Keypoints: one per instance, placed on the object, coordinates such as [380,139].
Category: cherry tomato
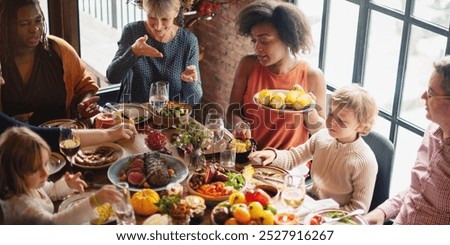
[314,221]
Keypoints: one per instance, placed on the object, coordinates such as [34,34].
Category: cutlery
[115,109]
[268,178]
[332,220]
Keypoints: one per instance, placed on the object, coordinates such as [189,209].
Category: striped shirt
[427,201]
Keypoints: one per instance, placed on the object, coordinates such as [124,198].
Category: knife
[267,178]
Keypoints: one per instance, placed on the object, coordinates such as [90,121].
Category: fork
[326,219]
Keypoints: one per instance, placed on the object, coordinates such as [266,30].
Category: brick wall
[224,48]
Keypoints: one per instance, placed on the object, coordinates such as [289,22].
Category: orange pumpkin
[144,202]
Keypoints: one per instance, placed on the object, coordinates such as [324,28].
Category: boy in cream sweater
[344,167]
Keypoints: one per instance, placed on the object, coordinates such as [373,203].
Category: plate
[118,151]
[269,172]
[55,163]
[137,112]
[70,201]
[181,171]
[286,110]
[357,219]
[65,123]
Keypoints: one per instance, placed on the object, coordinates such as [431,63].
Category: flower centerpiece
[193,138]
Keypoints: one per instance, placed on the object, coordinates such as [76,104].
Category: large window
[388,46]
[101,24]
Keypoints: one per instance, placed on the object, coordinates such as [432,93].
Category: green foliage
[192,136]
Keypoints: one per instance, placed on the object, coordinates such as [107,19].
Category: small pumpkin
[144,202]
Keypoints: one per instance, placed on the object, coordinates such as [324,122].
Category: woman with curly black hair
[280,32]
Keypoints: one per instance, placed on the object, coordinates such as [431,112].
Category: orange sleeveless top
[269,128]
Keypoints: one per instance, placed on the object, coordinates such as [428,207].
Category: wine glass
[159,95]
[214,122]
[242,131]
[294,191]
[123,209]
[69,144]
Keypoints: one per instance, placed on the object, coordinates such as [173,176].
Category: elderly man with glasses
[427,199]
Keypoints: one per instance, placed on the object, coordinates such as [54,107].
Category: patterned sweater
[137,73]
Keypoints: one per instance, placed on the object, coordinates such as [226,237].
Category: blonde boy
[344,167]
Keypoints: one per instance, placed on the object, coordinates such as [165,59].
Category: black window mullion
[323,34]
[402,63]
[361,41]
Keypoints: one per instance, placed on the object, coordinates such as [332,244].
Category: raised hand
[141,48]
[88,108]
[25,117]
[190,74]
[74,181]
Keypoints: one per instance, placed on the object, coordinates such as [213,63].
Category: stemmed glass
[294,191]
[69,144]
[123,209]
[242,130]
[159,95]
[214,122]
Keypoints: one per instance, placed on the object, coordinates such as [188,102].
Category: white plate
[72,200]
[118,151]
[357,219]
[287,110]
[181,171]
[55,163]
[64,123]
[134,111]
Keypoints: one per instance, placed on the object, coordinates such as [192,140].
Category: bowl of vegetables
[173,114]
[215,183]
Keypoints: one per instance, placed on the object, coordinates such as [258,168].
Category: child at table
[344,167]
[26,195]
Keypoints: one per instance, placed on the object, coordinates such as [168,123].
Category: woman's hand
[121,131]
[74,181]
[23,117]
[141,48]
[266,155]
[88,108]
[190,74]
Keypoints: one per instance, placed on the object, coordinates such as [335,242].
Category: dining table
[95,178]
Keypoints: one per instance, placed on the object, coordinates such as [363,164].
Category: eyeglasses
[430,94]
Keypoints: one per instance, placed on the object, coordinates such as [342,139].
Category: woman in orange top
[279,32]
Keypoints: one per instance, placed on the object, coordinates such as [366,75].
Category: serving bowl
[210,199]
[242,157]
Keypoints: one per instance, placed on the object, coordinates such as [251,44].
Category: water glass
[123,209]
[228,156]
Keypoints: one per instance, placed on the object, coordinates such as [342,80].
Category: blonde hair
[161,8]
[20,156]
[358,100]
